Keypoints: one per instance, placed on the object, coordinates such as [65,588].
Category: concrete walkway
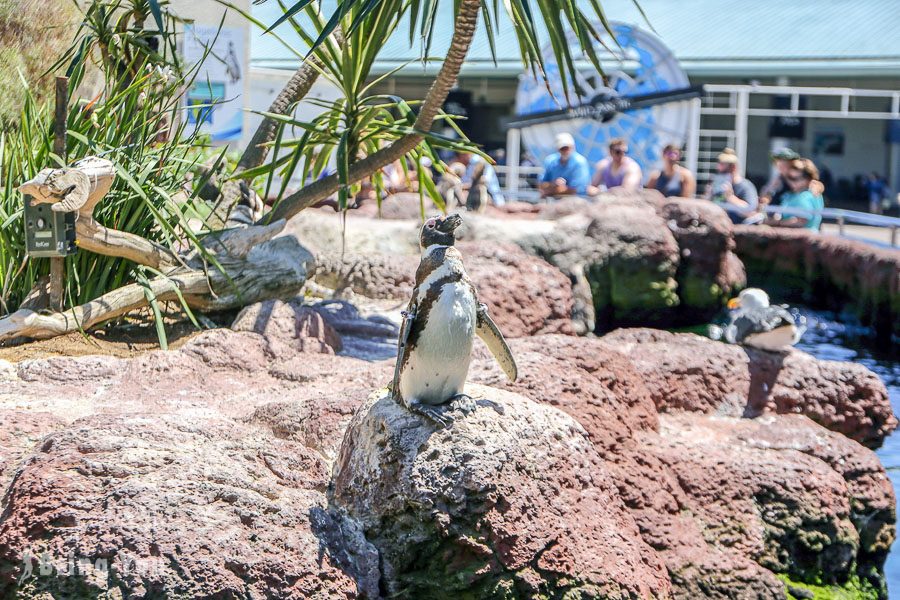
[880,235]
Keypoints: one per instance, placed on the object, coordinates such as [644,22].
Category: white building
[823,43]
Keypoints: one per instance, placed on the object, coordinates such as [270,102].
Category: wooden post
[58,264]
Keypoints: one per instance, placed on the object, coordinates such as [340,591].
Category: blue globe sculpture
[636,63]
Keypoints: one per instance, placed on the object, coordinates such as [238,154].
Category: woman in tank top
[673,180]
[619,170]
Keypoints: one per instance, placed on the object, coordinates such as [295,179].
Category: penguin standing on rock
[755,322]
[439,328]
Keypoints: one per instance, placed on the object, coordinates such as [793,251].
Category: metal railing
[843,217]
[525,190]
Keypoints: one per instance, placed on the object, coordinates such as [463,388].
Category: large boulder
[510,501]
[632,276]
[777,491]
[525,295]
[708,272]
[379,276]
[582,377]
[164,506]
[618,252]
[709,491]
[688,372]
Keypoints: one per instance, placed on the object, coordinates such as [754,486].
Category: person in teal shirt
[801,174]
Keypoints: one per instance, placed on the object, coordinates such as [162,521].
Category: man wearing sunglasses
[619,170]
[566,172]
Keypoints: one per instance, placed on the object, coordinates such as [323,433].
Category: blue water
[830,337]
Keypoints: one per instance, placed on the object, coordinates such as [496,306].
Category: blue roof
[709,37]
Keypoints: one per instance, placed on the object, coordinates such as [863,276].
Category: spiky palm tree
[369,23]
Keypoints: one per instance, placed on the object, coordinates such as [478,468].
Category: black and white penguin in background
[439,328]
[754,322]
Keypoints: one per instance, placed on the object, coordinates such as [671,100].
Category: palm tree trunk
[295,89]
[464,31]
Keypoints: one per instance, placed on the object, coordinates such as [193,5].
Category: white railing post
[513,150]
[692,146]
[740,129]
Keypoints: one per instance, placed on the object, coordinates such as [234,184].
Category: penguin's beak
[734,303]
[449,223]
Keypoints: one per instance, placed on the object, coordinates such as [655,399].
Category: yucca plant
[357,124]
[137,123]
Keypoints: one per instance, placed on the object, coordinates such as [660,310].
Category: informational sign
[787,127]
[828,141]
[215,100]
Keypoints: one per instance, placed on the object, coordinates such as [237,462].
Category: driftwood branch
[236,266]
[94,237]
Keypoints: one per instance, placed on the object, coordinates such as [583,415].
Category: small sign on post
[49,233]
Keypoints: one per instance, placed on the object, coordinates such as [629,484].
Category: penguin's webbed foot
[443,414]
[438,414]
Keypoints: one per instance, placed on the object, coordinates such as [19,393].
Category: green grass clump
[854,588]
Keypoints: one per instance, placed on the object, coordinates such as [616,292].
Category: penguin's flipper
[493,339]
[409,315]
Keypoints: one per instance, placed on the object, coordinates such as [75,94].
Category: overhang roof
[713,38]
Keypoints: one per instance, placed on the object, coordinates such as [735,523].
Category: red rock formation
[151,505]
[709,272]
[692,373]
[727,502]
[211,463]
[525,295]
[512,501]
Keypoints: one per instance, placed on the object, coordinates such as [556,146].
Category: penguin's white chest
[775,340]
[439,363]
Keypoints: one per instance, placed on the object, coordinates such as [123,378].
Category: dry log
[236,266]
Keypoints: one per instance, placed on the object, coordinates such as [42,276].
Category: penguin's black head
[439,230]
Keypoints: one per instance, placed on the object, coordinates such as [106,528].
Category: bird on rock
[754,322]
[439,328]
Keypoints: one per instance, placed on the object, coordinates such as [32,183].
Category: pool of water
[830,337]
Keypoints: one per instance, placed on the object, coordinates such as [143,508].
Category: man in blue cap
[565,171]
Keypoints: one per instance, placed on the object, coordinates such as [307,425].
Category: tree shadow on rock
[764,369]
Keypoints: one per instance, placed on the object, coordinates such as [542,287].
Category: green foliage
[560,18]
[138,123]
[854,588]
[359,123]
